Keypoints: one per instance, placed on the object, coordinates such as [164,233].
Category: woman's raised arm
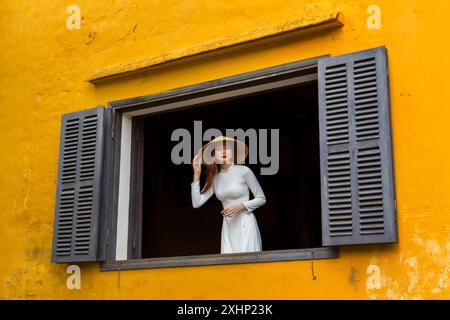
[199,199]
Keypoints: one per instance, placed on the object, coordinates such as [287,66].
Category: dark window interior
[291,217]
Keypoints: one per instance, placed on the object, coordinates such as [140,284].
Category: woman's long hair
[213,169]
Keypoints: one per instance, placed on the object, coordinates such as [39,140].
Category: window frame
[132,110]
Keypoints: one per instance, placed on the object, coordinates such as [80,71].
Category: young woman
[230,182]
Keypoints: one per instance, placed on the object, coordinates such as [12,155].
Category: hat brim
[240,150]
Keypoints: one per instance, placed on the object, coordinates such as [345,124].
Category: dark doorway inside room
[291,217]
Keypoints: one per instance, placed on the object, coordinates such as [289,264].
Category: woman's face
[223,153]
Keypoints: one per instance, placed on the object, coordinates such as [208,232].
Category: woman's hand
[233,210]
[197,166]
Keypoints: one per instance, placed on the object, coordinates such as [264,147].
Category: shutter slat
[358,194]
[78,187]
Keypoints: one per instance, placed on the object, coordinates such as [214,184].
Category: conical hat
[240,149]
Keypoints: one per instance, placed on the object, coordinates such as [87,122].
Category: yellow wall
[43,68]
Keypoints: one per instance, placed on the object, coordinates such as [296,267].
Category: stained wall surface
[44,66]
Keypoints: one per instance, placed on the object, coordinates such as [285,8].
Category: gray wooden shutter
[77,209]
[358,192]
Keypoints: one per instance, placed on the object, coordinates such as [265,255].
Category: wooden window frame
[264,80]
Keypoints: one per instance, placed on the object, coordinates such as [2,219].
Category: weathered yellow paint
[305,24]
[43,70]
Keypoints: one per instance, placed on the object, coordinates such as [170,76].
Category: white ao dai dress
[240,233]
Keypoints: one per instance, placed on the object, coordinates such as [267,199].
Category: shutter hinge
[134,240]
[112,134]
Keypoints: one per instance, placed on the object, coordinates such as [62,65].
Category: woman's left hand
[233,210]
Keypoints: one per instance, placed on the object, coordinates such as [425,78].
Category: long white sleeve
[199,199]
[253,184]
